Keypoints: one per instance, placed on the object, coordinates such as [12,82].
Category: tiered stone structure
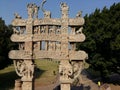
[48,38]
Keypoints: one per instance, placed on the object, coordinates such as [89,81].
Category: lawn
[45,74]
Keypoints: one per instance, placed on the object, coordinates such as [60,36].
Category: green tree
[5,44]
[102,30]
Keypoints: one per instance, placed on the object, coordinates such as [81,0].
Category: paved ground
[87,85]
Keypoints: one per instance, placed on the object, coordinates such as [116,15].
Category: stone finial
[64,9]
[36,9]
[32,10]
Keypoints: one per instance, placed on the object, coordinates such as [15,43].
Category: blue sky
[9,7]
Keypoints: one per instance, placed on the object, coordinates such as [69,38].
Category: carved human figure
[36,29]
[72,30]
[21,46]
[22,30]
[42,29]
[58,46]
[73,46]
[50,46]
[35,46]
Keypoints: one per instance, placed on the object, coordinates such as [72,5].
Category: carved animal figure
[15,31]
[79,31]
[17,16]
[79,14]
[47,14]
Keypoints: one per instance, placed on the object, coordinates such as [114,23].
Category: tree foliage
[5,44]
[102,30]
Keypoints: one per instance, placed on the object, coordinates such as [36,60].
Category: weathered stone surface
[21,38]
[19,22]
[76,38]
[76,21]
[72,55]
[20,54]
[48,37]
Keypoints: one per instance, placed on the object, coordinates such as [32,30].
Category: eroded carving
[66,71]
[25,69]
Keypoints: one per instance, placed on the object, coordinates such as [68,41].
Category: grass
[7,78]
[45,73]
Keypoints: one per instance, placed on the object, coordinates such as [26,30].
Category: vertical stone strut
[65,80]
[47,38]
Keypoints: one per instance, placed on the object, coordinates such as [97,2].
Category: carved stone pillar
[65,86]
[27,85]
[66,72]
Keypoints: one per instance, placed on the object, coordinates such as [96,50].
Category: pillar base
[27,85]
[18,84]
[65,86]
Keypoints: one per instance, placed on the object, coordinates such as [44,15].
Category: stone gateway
[59,36]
